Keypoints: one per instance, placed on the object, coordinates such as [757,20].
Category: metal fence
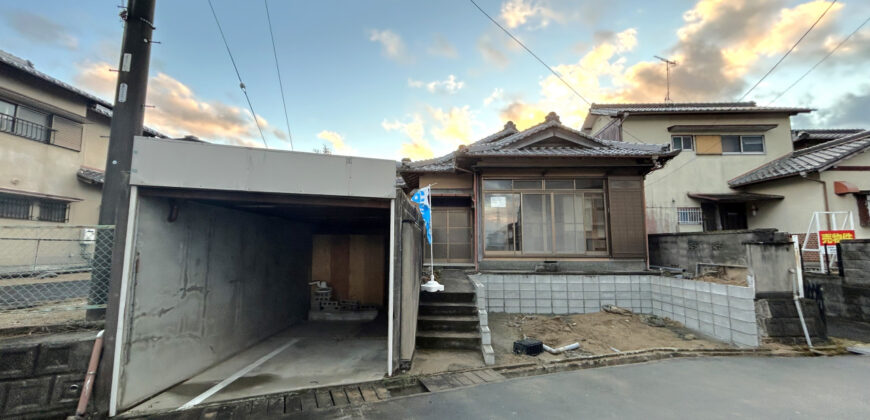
[52,274]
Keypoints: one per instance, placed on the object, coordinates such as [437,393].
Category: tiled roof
[812,159]
[504,144]
[689,108]
[822,134]
[27,67]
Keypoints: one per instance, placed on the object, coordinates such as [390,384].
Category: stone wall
[686,250]
[41,377]
[722,311]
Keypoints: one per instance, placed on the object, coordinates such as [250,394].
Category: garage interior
[276,272]
[223,283]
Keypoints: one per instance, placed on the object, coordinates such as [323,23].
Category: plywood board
[708,145]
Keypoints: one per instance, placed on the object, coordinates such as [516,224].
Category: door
[733,216]
[452,235]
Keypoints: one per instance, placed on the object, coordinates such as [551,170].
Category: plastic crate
[528,346]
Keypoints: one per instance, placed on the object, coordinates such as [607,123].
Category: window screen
[13,207]
[730,144]
[752,144]
[53,211]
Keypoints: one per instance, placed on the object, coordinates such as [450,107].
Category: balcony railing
[24,128]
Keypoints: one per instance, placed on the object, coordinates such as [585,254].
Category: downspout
[474,223]
[824,193]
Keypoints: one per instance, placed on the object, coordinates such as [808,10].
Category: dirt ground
[433,361]
[597,333]
[735,276]
[55,313]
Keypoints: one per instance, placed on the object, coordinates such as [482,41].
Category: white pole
[122,302]
[798,267]
[391,280]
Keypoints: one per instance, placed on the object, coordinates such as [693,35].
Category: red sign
[833,237]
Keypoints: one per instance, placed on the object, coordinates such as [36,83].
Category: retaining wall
[847,296]
[686,250]
[41,377]
[721,311]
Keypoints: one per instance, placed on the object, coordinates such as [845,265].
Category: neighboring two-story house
[53,144]
[719,142]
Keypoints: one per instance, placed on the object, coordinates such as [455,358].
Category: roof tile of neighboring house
[689,108]
[100,106]
[812,159]
[505,142]
[822,134]
[91,175]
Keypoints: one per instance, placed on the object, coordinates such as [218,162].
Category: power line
[239,76]
[788,52]
[532,53]
[278,69]
[820,61]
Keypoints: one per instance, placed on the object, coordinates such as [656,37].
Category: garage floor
[306,355]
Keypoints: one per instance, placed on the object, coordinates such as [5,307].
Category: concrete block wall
[41,377]
[721,311]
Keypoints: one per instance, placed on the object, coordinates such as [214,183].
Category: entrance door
[451,235]
[733,216]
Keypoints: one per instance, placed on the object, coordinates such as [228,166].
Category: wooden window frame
[543,191]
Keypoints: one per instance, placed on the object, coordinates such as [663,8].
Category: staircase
[448,320]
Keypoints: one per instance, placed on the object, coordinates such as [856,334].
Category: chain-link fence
[52,275]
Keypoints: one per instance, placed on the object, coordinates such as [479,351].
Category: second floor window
[683,142]
[40,126]
[742,144]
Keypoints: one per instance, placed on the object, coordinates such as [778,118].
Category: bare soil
[597,333]
[54,313]
[734,276]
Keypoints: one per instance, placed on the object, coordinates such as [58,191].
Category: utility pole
[668,64]
[128,117]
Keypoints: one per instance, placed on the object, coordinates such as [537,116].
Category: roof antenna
[668,64]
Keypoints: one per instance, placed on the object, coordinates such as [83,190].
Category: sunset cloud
[515,13]
[336,142]
[448,86]
[454,126]
[392,45]
[417,147]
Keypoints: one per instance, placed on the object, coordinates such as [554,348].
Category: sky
[394,79]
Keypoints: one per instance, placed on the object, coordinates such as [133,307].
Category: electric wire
[238,75]
[278,70]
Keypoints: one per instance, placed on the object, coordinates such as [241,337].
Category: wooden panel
[352,264]
[627,231]
[708,145]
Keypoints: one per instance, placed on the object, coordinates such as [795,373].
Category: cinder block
[692,324]
[702,286]
[526,279]
[707,328]
[493,278]
[511,302]
[496,294]
[657,305]
[667,307]
[576,287]
[495,286]
[497,305]
[645,288]
[559,287]
[741,292]
[744,327]
[679,311]
[592,304]
[719,299]
[623,303]
[676,283]
[691,313]
[624,295]
[718,289]
[575,306]
[17,361]
[741,339]
[657,312]
[678,301]
[560,309]
[592,295]
[722,321]
[679,318]
[623,287]
[605,279]
[722,333]
[635,287]
[636,305]
[607,287]
[690,285]
[544,303]
[655,288]
[542,279]
[560,279]
[559,295]
[742,315]
[622,279]
[705,307]
[720,310]
[574,279]
[645,295]
[690,295]
[511,286]
[741,303]
[511,294]
[527,294]
[575,295]
[543,294]
[527,286]
[705,317]
[512,309]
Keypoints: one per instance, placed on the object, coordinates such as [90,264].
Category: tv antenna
[668,64]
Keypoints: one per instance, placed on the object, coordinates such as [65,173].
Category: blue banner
[422,200]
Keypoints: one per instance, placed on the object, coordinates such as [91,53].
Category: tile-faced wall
[722,311]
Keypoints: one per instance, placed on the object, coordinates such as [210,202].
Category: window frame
[740,138]
[62,212]
[682,138]
[521,253]
[15,121]
[692,213]
[15,197]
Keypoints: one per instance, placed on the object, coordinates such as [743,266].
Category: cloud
[491,52]
[443,48]
[515,13]
[417,147]
[496,95]
[448,86]
[392,45]
[849,111]
[39,29]
[454,126]
[178,111]
[337,141]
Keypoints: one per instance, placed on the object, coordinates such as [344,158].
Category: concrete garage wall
[722,311]
[210,284]
[686,250]
[41,377]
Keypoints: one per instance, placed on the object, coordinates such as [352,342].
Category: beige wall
[35,167]
[40,94]
[803,197]
[447,181]
[667,188]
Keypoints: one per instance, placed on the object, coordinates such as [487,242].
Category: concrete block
[679,311]
[635,287]
[511,294]
[705,317]
[27,395]
[703,296]
[527,294]
[665,281]
[679,318]
[575,306]
[623,303]
[493,278]
[622,279]
[741,292]
[496,294]
[667,307]
[742,315]
[605,279]
[636,305]
[608,298]
[17,361]
[544,309]
[559,287]
[624,295]
[512,309]
[718,289]
[560,279]
[574,279]
[607,287]
[575,295]
[576,287]
[720,299]
[528,309]
[543,279]
[511,286]
[722,321]
[645,287]
[707,328]
[691,313]
[678,301]
[541,286]
[657,305]
[741,339]
[592,305]
[690,295]
[527,286]
[526,278]
[705,307]
[744,327]
[676,283]
[496,306]
[623,287]
[591,295]
[560,309]
[721,310]
[559,295]
[692,324]
[657,312]
[495,286]
[645,295]
[511,303]
[722,333]
[702,286]
[690,285]
[741,303]
[656,288]
[543,294]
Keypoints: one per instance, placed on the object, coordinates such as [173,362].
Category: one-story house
[519,198]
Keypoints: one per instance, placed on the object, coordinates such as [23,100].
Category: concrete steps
[448,320]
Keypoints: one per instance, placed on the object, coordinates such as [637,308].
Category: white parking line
[244,371]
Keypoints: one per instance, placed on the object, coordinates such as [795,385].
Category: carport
[223,245]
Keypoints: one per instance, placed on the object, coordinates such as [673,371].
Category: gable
[556,137]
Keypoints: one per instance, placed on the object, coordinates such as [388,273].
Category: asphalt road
[708,388]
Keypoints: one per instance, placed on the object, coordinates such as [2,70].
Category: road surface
[703,388]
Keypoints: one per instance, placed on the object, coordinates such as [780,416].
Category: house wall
[667,188]
[447,181]
[803,197]
[208,285]
[31,166]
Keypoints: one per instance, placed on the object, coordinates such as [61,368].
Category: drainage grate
[460,379]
